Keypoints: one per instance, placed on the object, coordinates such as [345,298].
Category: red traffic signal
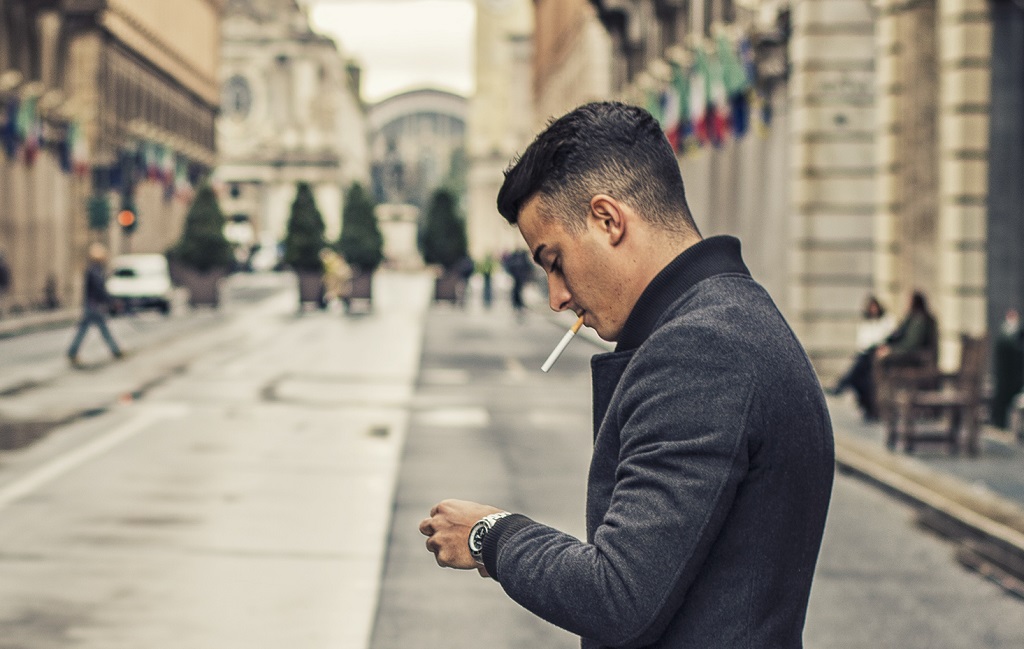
[126,219]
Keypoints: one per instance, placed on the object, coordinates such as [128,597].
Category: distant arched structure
[417,143]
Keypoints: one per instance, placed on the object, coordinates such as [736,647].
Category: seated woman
[872,331]
[914,343]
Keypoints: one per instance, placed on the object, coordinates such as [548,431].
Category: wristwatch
[479,532]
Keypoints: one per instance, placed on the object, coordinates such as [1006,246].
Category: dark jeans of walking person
[91,317]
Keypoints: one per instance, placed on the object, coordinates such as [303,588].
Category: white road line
[61,465]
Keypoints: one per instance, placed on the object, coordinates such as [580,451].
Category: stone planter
[311,287]
[449,287]
[203,288]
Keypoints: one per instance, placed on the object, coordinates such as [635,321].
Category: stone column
[965,45]
[833,131]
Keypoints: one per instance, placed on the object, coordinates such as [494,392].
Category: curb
[34,321]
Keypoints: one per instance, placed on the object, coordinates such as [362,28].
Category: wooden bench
[891,379]
[947,408]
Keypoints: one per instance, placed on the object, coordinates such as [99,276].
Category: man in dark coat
[96,301]
[713,458]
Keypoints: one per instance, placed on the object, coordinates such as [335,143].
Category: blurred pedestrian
[519,267]
[463,270]
[96,303]
[337,279]
[5,283]
[712,461]
[916,340]
[875,326]
[913,344]
[486,270]
[1008,366]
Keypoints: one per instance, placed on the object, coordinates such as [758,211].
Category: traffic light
[127,217]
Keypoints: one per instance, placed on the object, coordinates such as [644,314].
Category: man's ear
[609,216]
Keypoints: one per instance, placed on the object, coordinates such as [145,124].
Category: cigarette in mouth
[561,346]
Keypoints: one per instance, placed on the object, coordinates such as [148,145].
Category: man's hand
[447,532]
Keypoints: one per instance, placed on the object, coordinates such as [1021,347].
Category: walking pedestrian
[5,283]
[712,460]
[1007,367]
[486,270]
[518,266]
[96,302]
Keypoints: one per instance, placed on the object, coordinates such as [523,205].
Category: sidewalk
[14,325]
[977,501]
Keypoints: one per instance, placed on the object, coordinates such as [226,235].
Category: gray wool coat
[709,483]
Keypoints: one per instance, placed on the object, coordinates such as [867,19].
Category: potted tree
[361,242]
[304,239]
[444,244]
[203,255]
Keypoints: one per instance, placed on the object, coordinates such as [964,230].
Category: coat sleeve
[681,457]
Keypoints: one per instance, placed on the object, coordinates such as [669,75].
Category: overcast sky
[402,44]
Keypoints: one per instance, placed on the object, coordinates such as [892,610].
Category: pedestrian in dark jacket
[96,301]
[713,459]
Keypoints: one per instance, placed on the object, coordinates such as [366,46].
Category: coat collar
[707,258]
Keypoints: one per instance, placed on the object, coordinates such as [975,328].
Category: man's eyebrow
[536,254]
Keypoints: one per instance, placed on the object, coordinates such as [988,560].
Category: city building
[501,122]
[417,145]
[870,170]
[290,112]
[106,105]
[571,58]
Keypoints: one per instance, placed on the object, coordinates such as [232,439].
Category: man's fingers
[426,527]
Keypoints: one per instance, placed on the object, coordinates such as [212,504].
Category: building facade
[571,58]
[873,173]
[501,122]
[101,105]
[290,112]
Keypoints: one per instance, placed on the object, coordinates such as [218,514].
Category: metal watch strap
[479,531]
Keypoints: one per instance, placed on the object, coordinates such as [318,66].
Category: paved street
[265,492]
[243,502]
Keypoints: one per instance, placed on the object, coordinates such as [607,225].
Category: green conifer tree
[304,238]
[361,242]
[444,232]
[203,245]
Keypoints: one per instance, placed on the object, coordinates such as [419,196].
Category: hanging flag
[28,129]
[737,82]
[654,104]
[675,108]
[167,165]
[34,141]
[718,110]
[699,99]
[182,186]
[152,160]
[167,169]
[9,133]
[79,150]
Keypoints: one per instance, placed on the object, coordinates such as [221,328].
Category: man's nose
[558,295]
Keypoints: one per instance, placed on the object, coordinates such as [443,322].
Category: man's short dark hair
[599,148]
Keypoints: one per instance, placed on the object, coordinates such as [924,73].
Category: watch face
[476,538]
